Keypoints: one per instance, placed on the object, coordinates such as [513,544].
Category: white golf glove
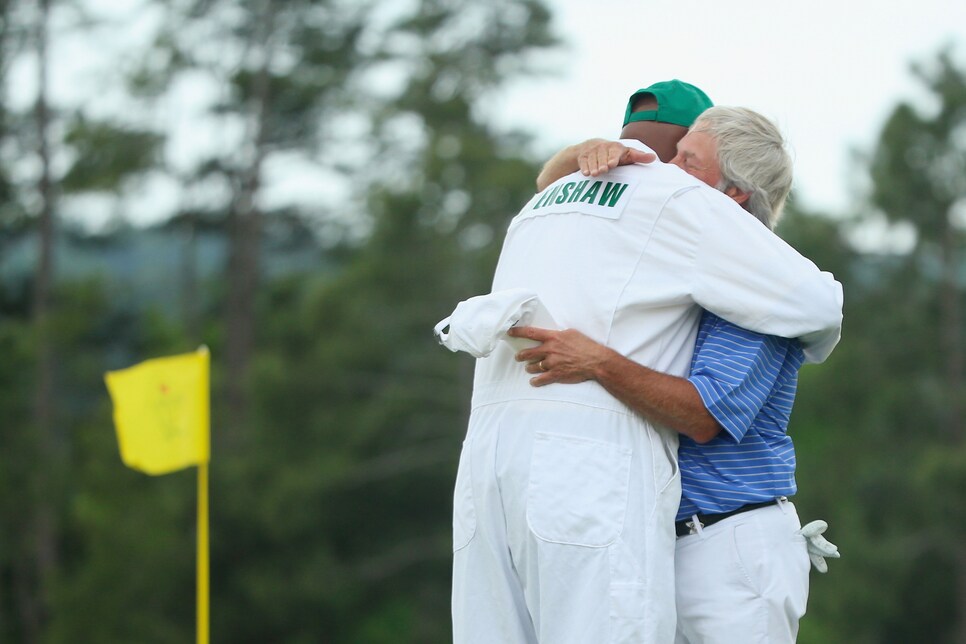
[818,546]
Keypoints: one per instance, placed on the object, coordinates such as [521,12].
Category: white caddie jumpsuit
[563,527]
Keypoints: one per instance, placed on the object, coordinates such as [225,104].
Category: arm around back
[570,357]
[593,157]
[751,277]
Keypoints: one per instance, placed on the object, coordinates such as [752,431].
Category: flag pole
[203,552]
[203,549]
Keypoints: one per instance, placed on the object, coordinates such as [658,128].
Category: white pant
[563,527]
[743,579]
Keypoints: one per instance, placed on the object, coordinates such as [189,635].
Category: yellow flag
[161,412]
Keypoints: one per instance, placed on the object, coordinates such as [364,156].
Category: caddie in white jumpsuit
[565,499]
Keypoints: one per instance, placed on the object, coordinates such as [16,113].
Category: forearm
[570,357]
[668,400]
[593,158]
[559,165]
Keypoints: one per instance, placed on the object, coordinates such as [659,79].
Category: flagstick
[203,553]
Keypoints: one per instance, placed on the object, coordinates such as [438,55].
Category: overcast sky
[828,72]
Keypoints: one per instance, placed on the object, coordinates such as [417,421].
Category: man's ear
[740,196]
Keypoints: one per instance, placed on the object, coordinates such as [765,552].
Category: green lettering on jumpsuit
[592,193]
[611,193]
[571,192]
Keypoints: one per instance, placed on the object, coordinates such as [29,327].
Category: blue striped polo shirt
[747,382]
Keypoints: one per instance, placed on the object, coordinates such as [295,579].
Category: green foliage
[879,437]
[331,514]
[15,473]
[107,155]
[919,166]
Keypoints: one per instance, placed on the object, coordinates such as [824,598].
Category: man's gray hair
[752,158]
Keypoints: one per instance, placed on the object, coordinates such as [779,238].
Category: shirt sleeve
[735,371]
[749,276]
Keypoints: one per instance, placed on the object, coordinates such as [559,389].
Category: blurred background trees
[337,421]
[880,427]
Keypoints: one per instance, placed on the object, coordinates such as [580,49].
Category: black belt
[685,526]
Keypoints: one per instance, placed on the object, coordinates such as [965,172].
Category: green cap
[678,103]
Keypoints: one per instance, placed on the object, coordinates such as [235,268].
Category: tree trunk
[245,232]
[189,280]
[43,524]
[45,255]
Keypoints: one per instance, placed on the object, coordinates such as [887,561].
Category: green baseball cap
[678,103]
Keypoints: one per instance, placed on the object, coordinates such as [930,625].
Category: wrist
[607,365]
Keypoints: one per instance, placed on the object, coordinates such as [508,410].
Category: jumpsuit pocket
[578,490]
[464,509]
